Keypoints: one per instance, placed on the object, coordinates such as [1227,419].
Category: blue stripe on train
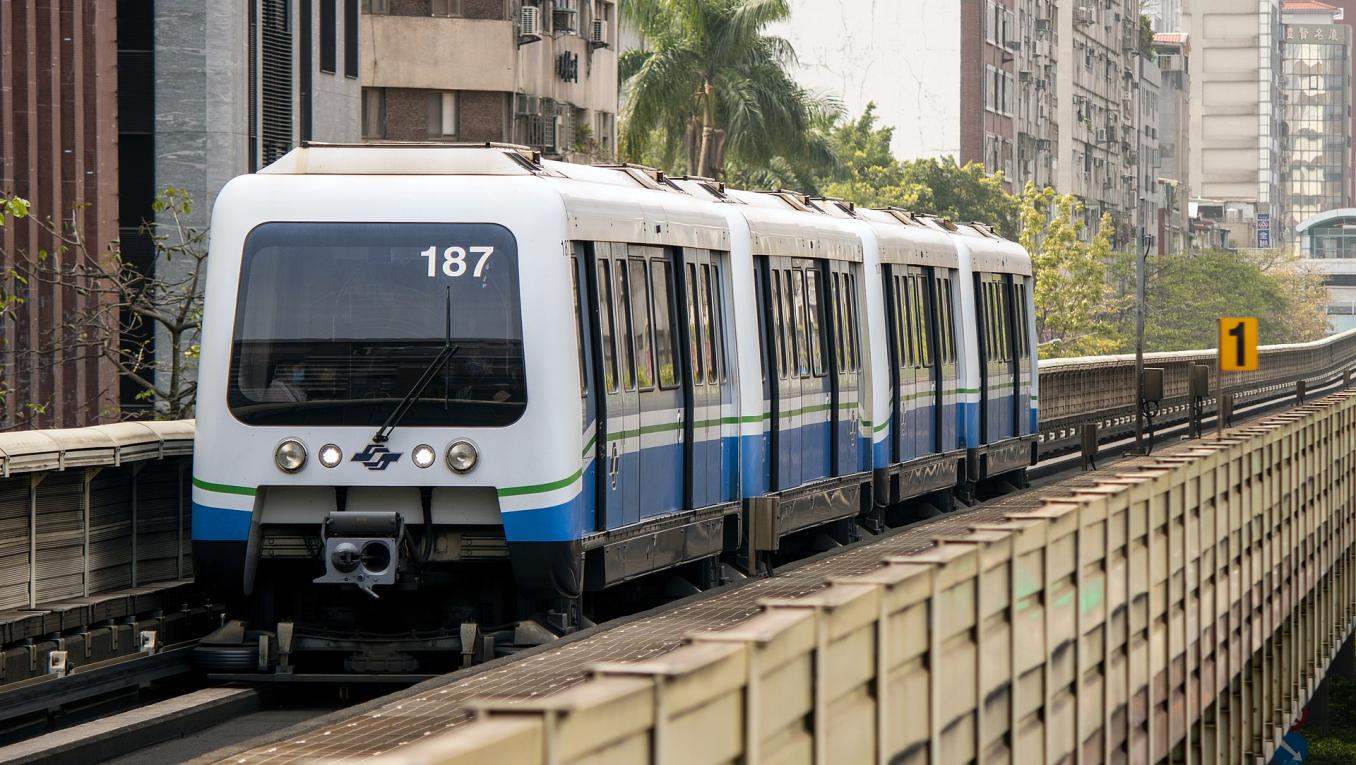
[220,524]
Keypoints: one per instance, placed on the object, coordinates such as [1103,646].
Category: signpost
[1237,353]
[1263,231]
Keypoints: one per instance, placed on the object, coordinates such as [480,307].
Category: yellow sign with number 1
[1237,344]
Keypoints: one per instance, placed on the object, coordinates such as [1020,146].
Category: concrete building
[58,149]
[1173,56]
[1328,241]
[1147,162]
[1316,135]
[543,73]
[1236,114]
[975,83]
[1098,82]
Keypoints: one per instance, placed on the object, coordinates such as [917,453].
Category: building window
[275,81]
[374,113]
[377,7]
[328,36]
[446,8]
[351,38]
[442,115]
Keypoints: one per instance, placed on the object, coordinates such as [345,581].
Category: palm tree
[710,79]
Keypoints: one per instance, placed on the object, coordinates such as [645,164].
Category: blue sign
[1263,230]
[1292,751]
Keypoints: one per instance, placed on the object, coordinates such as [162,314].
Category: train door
[786,414]
[619,471]
[767,356]
[996,369]
[660,398]
[704,369]
[948,422]
[1022,352]
[817,416]
[846,445]
[585,336]
[902,363]
[924,327]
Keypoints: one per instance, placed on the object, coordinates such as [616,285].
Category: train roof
[645,206]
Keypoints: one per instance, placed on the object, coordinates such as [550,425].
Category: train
[449,387]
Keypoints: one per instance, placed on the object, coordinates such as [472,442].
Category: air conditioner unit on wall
[599,35]
[529,21]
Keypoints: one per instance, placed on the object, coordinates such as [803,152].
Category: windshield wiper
[444,354]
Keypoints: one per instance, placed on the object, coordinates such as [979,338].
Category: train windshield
[335,323]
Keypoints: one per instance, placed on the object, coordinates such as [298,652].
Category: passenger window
[920,290]
[665,340]
[902,349]
[855,346]
[578,328]
[640,323]
[1023,350]
[812,307]
[759,292]
[715,327]
[694,331]
[778,322]
[708,345]
[798,299]
[789,324]
[625,350]
[836,305]
[605,325]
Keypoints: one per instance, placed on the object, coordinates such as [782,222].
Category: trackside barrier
[1101,389]
[1183,611]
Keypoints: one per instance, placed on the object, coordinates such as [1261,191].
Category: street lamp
[1139,345]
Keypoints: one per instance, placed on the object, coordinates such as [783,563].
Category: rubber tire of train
[226,658]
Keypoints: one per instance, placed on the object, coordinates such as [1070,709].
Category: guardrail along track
[1177,608]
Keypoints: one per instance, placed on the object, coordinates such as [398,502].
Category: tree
[871,176]
[712,82]
[1073,301]
[1187,293]
[127,303]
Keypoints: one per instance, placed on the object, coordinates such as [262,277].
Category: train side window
[759,290]
[1023,350]
[948,322]
[802,331]
[665,340]
[716,329]
[909,304]
[925,329]
[789,324]
[708,324]
[640,324]
[778,320]
[902,348]
[694,331]
[813,301]
[578,328]
[605,325]
[626,350]
[1004,321]
[837,307]
[855,346]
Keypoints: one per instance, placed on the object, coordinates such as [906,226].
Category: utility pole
[1139,345]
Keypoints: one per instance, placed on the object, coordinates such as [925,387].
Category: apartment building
[541,73]
[1172,55]
[1237,116]
[1098,81]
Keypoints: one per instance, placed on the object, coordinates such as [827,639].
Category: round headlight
[330,455]
[290,455]
[423,455]
[462,456]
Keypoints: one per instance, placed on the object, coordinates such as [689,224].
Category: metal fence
[90,510]
[1182,612]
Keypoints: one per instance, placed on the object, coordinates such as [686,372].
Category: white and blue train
[465,368]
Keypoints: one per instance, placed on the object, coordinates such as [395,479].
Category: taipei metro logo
[376,457]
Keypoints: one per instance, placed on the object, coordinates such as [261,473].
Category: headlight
[290,455]
[423,455]
[462,456]
[330,455]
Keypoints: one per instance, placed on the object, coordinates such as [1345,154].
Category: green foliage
[1186,294]
[1335,742]
[871,176]
[1146,37]
[1074,305]
[712,85]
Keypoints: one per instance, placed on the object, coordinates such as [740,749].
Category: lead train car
[587,373]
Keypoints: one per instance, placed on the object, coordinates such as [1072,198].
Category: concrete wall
[903,56]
